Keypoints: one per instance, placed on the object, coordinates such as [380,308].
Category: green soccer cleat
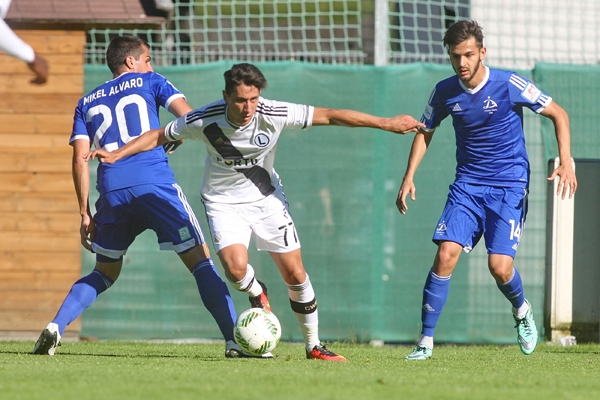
[526,331]
[421,352]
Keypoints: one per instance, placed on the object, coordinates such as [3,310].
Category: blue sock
[435,294]
[215,296]
[82,295]
[513,290]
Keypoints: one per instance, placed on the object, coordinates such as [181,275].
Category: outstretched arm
[144,142]
[399,124]
[567,179]
[16,47]
[417,151]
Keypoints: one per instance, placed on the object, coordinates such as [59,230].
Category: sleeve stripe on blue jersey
[544,99]
[190,211]
[518,81]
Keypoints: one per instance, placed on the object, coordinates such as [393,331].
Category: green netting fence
[366,261]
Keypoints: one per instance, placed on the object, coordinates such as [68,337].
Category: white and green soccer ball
[257,331]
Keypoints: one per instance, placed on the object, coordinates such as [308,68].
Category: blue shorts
[496,213]
[121,215]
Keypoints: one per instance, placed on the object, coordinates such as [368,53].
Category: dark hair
[120,48]
[461,31]
[244,73]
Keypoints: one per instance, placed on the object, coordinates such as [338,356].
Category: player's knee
[234,259]
[501,274]
[446,260]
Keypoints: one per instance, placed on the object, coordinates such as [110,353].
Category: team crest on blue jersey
[441,228]
[490,106]
[261,140]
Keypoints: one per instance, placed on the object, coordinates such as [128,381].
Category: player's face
[143,64]
[241,104]
[466,59]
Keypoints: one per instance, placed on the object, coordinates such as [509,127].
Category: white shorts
[267,221]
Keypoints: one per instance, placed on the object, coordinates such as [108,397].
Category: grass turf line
[139,370]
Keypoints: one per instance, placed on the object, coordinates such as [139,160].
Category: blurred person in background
[12,45]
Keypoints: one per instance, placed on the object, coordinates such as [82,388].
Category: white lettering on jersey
[107,120]
[93,96]
[531,92]
[124,85]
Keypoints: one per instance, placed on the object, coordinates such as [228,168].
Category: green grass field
[141,370]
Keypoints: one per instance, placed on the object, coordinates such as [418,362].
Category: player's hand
[87,231]
[407,187]
[39,66]
[403,124]
[104,156]
[567,180]
[170,147]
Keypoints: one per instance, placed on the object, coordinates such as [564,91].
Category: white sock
[520,312]
[427,341]
[304,294]
[248,284]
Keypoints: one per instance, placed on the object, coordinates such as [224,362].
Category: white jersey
[239,164]
[10,43]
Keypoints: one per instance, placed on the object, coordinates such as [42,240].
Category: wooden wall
[40,252]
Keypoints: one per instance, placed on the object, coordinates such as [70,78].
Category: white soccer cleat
[48,341]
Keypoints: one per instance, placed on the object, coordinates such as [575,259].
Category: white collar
[478,87]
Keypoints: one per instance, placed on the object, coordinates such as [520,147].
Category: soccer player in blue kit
[137,193]
[489,195]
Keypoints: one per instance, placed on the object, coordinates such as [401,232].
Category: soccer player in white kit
[489,195]
[13,45]
[242,193]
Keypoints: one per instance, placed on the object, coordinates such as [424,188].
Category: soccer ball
[257,331]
